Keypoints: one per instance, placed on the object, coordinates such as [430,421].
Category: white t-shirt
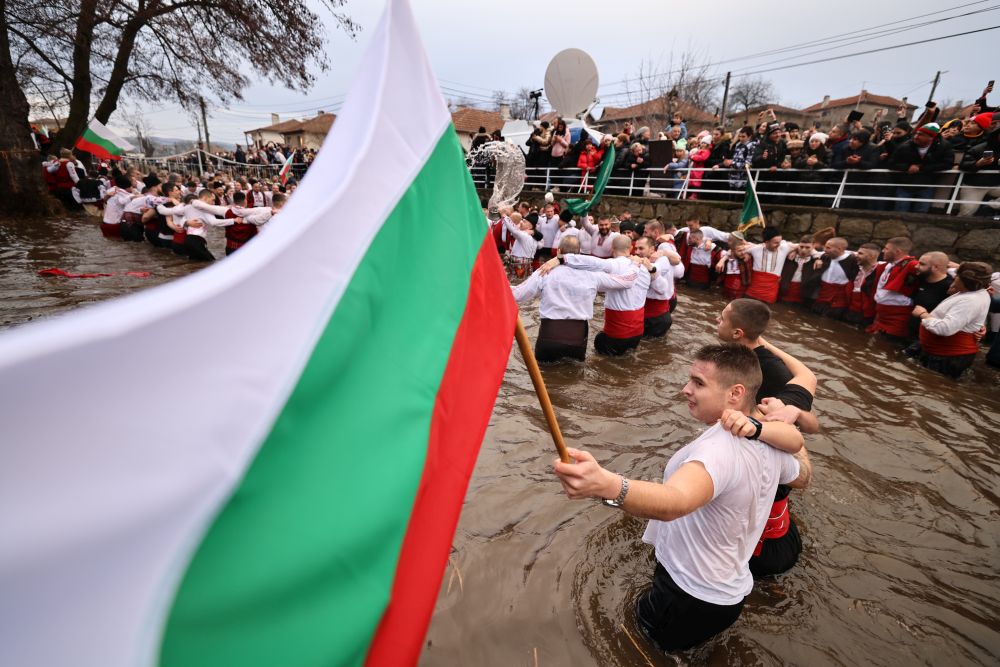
[707,552]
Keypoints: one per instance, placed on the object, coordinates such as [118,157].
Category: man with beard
[768,262]
[894,288]
[861,302]
[838,268]
[933,282]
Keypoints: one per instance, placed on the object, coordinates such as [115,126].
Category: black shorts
[675,620]
[615,347]
[561,339]
[778,555]
[655,327]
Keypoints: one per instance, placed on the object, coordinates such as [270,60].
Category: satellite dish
[571,82]
[597,111]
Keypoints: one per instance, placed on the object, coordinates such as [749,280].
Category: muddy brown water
[900,527]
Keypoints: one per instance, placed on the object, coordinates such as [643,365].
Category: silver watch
[620,500]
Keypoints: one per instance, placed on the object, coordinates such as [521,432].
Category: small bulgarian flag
[286,168]
[102,142]
[291,500]
[751,214]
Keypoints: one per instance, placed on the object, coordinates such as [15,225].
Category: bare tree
[750,92]
[663,86]
[155,50]
[137,123]
[520,103]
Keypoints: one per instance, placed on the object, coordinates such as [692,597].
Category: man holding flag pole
[768,257]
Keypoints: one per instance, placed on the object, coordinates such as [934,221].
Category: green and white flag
[263,463]
[102,142]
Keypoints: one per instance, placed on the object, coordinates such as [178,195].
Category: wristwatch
[620,500]
[757,425]
[652,270]
[562,260]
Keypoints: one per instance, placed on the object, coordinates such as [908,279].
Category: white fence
[199,162]
[873,189]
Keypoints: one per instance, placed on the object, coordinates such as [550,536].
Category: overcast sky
[477,47]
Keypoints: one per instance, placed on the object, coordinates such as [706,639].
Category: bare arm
[777,434]
[801,375]
[805,470]
[686,490]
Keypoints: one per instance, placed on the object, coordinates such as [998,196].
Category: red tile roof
[284,126]
[318,124]
[470,120]
[865,96]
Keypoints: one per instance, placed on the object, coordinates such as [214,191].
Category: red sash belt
[956,345]
[111,230]
[623,323]
[732,286]
[179,237]
[763,287]
[241,232]
[232,244]
[833,294]
[132,218]
[862,303]
[777,524]
[655,308]
[893,320]
[793,294]
[699,273]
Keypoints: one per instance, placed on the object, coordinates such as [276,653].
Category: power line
[811,43]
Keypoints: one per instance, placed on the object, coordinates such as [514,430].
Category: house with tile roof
[784,115]
[656,114]
[829,112]
[311,132]
[468,120]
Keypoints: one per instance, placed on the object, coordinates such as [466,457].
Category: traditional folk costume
[947,343]
[656,311]
[114,211]
[835,285]
[702,262]
[767,267]
[566,307]
[861,303]
[735,276]
[893,303]
[624,310]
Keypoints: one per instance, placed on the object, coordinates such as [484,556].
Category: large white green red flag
[263,463]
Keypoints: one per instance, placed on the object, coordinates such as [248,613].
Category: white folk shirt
[600,246]
[115,206]
[707,552]
[549,227]
[139,203]
[258,198]
[886,297]
[863,273]
[834,273]
[662,285]
[569,230]
[964,311]
[767,261]
[710,233]
[524,243]
[622,300]
[568,294]
[701,256]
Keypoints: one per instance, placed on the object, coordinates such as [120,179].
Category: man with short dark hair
[836,271]
[919,162]
[894,287]
[861,301]
[712,505]
[933,282]
[768,262]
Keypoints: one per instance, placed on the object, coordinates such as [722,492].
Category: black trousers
[615,347]
[675,620]
[197,248]
[778,555]
[561,339]
[657,327]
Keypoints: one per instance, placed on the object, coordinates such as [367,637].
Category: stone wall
[963,238]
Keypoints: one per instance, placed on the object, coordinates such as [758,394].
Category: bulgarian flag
[102,142]
[751,214]
[263,463]
[286,169]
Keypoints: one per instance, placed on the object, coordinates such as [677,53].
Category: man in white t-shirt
[707,515]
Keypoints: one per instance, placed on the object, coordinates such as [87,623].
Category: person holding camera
[982,179]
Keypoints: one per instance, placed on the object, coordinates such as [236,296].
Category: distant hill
[170,145]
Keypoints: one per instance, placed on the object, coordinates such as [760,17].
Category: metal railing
[872,189]
[200,162]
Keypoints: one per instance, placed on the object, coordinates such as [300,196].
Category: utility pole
[204,121]
[201,166]
[725,101]
[937,79]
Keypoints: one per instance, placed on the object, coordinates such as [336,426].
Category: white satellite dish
[571,82]
[597,111]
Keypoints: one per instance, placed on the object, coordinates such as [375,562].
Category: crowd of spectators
[893,164]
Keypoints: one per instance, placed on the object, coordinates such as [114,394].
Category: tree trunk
[79,106]
[118,72]
[22,191]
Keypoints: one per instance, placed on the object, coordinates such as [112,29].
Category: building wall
[261,139]
[827,118]
[304,140]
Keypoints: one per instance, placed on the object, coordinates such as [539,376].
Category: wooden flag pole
[543,396]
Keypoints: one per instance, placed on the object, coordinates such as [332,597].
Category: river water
[900,527]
